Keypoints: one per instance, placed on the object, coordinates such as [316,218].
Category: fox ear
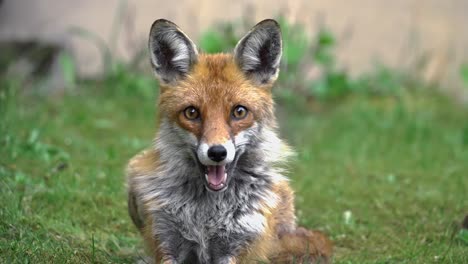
[258,53]
[172,52]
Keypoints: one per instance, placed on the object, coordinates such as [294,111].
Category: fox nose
[217,153]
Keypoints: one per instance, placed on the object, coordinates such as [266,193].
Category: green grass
[396,167]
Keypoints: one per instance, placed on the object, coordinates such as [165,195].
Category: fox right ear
[172,52]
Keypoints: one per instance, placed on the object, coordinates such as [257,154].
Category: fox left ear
[258,53]
[172,53]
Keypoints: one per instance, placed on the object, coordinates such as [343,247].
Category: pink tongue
[216,175]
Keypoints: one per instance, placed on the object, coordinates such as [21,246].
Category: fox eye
[191,113]
[239,112]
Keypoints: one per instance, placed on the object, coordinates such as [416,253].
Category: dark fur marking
[133,211]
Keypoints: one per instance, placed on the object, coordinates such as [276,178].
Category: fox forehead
[214,86]
[213,79]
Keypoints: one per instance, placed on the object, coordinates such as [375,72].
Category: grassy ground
[387,178]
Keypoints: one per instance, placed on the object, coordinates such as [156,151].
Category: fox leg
[134,210]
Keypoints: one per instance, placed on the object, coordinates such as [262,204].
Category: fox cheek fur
[211,189]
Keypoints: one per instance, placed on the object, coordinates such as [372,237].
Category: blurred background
[372,94]
[424,36]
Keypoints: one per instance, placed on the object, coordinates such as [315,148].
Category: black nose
[217,153]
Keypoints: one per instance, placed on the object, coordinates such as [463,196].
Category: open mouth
[216,177]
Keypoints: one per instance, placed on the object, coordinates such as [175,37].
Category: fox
[212,187]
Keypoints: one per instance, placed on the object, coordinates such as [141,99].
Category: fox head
[214,108]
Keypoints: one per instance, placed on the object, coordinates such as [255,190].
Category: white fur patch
[271,199]
[243,137]
[231,150]
[254,222]
[274,149]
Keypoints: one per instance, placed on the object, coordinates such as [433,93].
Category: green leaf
[326,38]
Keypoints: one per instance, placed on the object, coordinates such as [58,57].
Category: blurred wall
[397,33]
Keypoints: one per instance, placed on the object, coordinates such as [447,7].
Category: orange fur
[214,86]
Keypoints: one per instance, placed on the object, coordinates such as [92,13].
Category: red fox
[212,189]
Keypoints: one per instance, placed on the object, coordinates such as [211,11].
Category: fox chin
[212,188]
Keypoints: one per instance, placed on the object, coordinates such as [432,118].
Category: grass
[385,177]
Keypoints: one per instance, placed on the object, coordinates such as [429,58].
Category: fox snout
[217,153]
[215,158]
